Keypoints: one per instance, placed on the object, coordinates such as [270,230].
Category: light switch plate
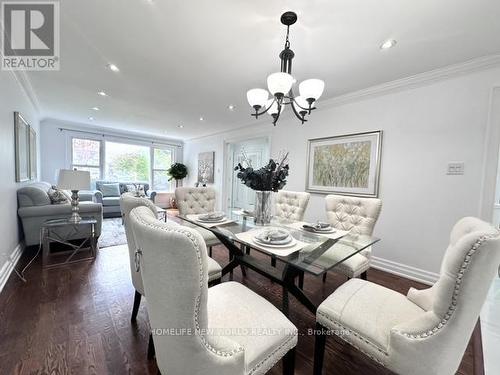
[456,168]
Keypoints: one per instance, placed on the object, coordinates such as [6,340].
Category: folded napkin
[273,235]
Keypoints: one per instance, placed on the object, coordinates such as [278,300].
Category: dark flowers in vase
[271,177]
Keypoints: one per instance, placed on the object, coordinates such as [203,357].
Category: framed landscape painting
[347,164]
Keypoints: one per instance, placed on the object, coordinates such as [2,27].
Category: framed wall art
[346,164]
[22,144]
[206,167]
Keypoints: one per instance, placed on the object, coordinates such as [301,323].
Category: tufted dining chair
[201,331]
[359,216]
[291,205]
[197,200]
[425,332]
[127,203]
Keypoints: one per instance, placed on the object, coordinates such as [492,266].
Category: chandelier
[280,86]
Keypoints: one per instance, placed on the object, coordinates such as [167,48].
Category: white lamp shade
[279,83]
[257,97]
[311,88]
[73,180]
[302,102]
[274,107]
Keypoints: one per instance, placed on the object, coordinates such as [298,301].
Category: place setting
[320,227]
[274,240]
[211,219]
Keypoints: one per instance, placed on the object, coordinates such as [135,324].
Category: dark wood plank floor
[76,320]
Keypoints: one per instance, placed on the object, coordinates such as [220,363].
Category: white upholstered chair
[197,200]
[425,332]
[359,216]
[224,330]
[127,203]
[291,205]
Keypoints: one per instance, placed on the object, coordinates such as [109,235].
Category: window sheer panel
[162,160]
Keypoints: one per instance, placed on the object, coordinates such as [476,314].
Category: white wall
[424,128]
[12,98]
[55,146]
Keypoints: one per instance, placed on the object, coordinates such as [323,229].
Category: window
[86,156]
[126,162]
[162,160]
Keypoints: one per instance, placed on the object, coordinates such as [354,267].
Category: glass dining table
[314,254]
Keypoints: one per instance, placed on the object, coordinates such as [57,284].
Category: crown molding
[417,80]
[24,82]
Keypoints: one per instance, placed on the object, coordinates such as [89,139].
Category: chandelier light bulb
[311,89]
[279,83]
[257,97]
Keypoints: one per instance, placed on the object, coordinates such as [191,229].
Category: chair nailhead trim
[458,282]
[203,339]
[356,335]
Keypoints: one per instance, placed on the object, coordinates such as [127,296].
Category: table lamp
[74,180]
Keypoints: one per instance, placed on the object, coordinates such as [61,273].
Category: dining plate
[220,220]
[292,243]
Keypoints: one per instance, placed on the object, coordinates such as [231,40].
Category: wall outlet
[455,168]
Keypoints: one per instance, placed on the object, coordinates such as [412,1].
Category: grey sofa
[111,205]
[35,207]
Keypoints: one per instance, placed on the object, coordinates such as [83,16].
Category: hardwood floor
[76,320]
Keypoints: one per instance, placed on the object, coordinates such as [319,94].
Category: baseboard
[9,265]
[403,270]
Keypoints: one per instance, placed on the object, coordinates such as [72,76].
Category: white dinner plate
[292,243]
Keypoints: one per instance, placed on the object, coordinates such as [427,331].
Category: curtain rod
[120,136]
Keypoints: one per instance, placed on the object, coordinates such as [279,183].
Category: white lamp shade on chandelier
[301,103]
[311,88]
[279,83]
[257,97]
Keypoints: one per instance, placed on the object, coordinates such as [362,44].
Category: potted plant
[267,179]
[177,171]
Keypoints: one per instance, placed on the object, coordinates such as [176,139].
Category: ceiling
[180,60]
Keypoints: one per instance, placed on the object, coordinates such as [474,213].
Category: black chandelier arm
[297,114]
[257,113]
[277,115]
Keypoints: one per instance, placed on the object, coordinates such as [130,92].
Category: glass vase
[262,209]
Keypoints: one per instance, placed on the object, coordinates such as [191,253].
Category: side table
[62,231]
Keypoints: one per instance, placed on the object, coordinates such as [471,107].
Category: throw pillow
[57,196]
[130,188]
[110,190]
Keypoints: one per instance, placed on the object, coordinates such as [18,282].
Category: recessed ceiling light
[202,119]
[91,118]
[96,108]
[389,43]
[113,67]
[230,107]
[180,126]
[102,93]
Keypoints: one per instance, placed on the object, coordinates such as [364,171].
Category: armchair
[425,332]
[173,263]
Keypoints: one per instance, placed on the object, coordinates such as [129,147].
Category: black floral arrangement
[271,177]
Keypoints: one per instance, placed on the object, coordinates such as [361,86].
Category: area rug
[112,233]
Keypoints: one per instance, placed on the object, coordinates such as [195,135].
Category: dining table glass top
[316,253]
